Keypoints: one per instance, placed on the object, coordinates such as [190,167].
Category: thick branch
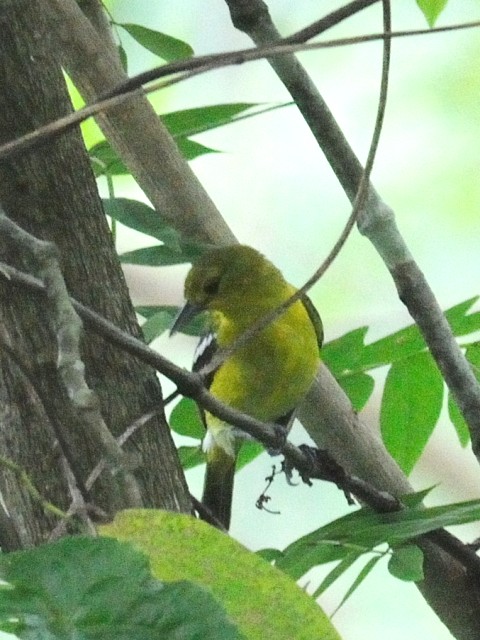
[133,129]
[377,221]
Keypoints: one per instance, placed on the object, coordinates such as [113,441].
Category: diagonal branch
[133,129]
[311,462]
[376,222]
[358,205]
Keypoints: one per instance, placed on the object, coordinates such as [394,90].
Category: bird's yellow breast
[270,375]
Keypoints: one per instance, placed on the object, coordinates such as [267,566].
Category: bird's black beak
[186,313]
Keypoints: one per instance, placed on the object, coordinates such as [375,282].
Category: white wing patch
[202,348]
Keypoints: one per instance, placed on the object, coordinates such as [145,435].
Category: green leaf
[461,323]
[358,387]
[431,9]
[397,346]
[196,327]
[141,217]
[458,421]
[336,572]
[472,353]
[367,529]
[343,355]
[106,162]
[270,555]
[411,405]
[100,589]
[406,563]
[256,596]
[188,122]
[409,341]
[248,452]
[157,256]
[359,579]
[147,311]
[412,500]
[185,419]
[122,54]
[156,325]
[191,149]
[166,47]
[191,457]
[310,551]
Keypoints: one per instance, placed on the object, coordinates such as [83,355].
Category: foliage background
[268,183]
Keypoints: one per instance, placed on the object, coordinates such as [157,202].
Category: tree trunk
[51,192]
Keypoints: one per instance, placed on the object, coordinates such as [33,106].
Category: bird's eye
[211,286]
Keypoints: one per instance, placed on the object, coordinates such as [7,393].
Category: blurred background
[277,193]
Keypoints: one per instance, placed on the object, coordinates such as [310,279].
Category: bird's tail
[218,485]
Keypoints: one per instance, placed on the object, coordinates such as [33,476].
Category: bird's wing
[206,349]
[314,318]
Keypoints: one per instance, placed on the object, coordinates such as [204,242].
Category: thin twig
[201,64]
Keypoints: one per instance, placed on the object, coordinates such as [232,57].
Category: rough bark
[51,192]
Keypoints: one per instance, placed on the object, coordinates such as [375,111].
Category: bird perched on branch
[265,378]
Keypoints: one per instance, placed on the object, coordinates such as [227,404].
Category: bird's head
[227,279]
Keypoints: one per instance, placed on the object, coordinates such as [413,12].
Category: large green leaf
[94,588]
[411,405]
[261,600]
[166,47]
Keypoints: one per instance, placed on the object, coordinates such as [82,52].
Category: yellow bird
[267,377]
